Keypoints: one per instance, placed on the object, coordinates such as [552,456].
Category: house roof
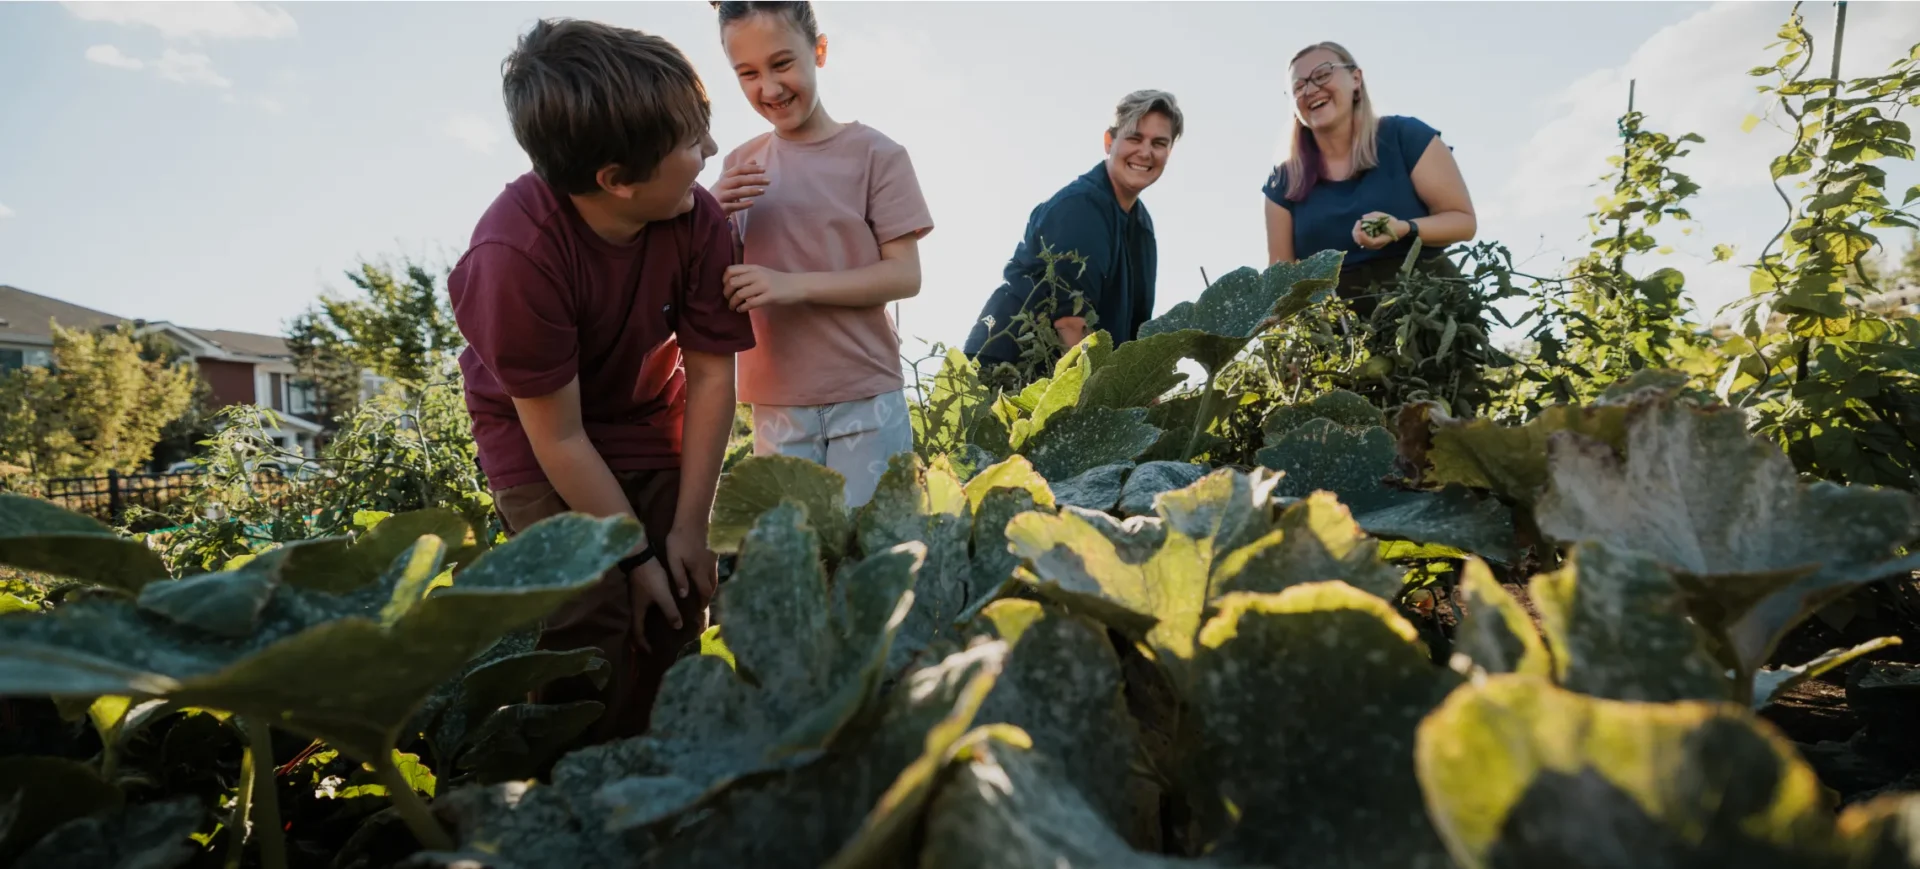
[24,316]
[244,343]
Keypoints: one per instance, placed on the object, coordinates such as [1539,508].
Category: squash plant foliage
[1066,632]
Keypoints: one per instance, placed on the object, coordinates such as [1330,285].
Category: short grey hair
[1139,104]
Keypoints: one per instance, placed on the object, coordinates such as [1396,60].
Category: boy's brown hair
[582,95]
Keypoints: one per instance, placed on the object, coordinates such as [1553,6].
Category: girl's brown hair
[799,15]
[1304,165]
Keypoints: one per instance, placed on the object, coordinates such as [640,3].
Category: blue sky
[220,165]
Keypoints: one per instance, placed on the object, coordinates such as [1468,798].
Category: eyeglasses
[1320,75]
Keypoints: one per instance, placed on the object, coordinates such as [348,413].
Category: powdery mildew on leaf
[1150,479]
[1080,439]
[1510,461]
[1517,772]
[1338,406]
[1308,701]
[1617,625]
[1095,566]
[1319,454]
[1315,540]
[1062,685]
[803,818]
[36,535]
[993,561]
[1495,636]
[1010,808]
[386,646]
[1095,489]
[1728,513]
[915,502]
[1138,372]
[757,483]
[814,665]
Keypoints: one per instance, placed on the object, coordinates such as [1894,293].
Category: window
[276,391]
[300,397]
[11,359]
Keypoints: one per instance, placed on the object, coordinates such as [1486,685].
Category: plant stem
[242,799]
[273,844]
[1201,418]
[418,817]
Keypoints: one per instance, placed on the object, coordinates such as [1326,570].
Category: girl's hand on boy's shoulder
[750,287]
[739,185]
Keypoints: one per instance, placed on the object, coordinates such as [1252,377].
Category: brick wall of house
[230,382]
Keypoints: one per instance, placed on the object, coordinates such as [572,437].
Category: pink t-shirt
[828,207]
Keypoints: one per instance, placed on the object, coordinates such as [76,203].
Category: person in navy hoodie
[1099,216]
[1347,167]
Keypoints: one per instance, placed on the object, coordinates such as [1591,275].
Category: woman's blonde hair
[1304,166]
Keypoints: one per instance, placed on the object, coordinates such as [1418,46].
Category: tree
[101,406]
[401,327]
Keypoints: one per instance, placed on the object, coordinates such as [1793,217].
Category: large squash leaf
[1138,373]
[804,667]
[1338,406]
[855,798]
[39,536]
[350,668]
[1242,304]
[759,483]
[1077,440]
[1007,807]
[1355,463]
[1094,489]
[1756,549]
[39,794]
[1495,636]
[1617,625]
[1150,479]
[1014,473]
[928,506]
[1150,583]
[1517,772]
[1309,700]
[1062,686]
[153,835]
[1510,461]
[1315,540]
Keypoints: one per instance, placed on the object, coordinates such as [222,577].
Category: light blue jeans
[855,438]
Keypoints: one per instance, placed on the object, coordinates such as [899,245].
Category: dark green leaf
[38,536]
[758,483]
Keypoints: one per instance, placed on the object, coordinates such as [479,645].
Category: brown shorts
[601,616]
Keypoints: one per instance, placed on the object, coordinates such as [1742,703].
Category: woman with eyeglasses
[1346,168]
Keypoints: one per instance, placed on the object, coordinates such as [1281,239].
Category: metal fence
[108,497]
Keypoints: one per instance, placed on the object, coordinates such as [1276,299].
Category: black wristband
[1413,229]
[630,562]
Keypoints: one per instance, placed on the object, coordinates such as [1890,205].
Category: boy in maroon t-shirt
[599,371]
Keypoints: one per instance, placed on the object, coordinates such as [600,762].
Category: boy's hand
[648,585]
[738,186]
[750,287]
[690,561]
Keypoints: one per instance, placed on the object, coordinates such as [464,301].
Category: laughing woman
[1346,168]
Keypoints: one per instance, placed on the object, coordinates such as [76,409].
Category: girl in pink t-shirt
[829,217]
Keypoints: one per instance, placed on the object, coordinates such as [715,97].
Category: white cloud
[109,55]
[5,212]
[195,20]
[472,131]
[189,68]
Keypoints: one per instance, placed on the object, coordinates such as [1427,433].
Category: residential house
[239,367]
[247,368]
[26,333]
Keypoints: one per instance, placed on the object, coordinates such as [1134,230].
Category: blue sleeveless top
[1325,220]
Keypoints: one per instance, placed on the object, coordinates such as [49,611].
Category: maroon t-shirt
[541,298]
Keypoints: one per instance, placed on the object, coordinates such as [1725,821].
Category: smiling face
[1324,89]
[1136,157]
[669,193]
[776,67]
